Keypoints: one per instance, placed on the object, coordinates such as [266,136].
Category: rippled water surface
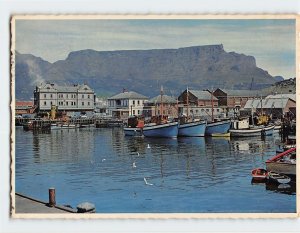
[200,175]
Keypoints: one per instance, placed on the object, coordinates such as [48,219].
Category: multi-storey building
[65,98]
[201,104]
[127,103]
[167,104]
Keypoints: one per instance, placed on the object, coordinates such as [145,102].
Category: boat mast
[161,101]
[212,106]
[187,103]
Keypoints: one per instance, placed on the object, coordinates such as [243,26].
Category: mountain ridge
[108,72]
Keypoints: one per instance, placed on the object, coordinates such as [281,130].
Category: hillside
[108,72]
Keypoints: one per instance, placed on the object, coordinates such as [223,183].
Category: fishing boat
[217,127]
[192,129]
[283,163]
[253,131]
[187,128]
[134,126]
[259,174]
[161,129]
[279,178]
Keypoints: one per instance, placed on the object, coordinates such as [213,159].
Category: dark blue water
[189,175]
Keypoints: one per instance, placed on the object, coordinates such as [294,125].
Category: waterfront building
[275,107]
[73,98]
[167,103]
[125,104]
[101,106]
[24,107]
[201,104]
[236,99]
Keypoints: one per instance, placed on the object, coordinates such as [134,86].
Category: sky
[270,41]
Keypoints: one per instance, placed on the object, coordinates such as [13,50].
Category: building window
[88,96]
[133,102]
[82,103]
[67,103]
[138,102]
[44,95]
[133,111]
[88,103]
[218,110]
[138,112]
[82,96]
[202,110]
[51,103]
[50,95]
[67,96]
[45,103]
[197,111]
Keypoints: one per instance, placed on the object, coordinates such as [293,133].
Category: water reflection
[198,174]
[289,188]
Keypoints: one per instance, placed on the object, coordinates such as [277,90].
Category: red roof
[24,103]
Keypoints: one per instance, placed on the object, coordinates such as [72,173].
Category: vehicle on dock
[283,163]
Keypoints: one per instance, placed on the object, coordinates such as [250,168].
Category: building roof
[279,96]
[165,99]
[128,95]
[267,103]
[243,93]
[202,95]
[71,88]
[24,103]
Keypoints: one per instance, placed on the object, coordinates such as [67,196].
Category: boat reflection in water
[289,188]
[189,174]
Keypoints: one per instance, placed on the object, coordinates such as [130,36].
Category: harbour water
[189,175]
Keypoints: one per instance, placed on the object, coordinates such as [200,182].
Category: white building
[65,98]
[127,103]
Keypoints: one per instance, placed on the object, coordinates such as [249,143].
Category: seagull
[133,165]
[148,146]
[138,154]
[146,182]
[103,160]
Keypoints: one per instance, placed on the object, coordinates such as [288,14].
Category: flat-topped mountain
[144,71]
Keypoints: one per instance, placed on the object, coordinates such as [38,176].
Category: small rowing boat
[279,178]
[259,174]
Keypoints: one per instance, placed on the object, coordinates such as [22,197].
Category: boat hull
[281,167]
[132,131]
[193,129]
[220,127]
[268,131]
[168,130]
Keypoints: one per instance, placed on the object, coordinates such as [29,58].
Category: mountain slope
[198,67]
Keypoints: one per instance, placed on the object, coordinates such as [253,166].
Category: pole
[212,107]
[161,101]
[52,201]
[187,103]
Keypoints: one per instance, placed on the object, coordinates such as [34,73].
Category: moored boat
[279,178]
[217,127]
[259,174]
[134,126]
[284,162]
[165,130]
[192,129]
[253,131]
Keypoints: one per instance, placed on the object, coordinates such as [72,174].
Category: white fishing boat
[253,131]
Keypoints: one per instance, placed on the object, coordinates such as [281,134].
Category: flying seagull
[146,182]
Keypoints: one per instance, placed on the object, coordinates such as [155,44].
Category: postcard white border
[146,215]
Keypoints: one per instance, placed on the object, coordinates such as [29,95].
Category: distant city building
[202,104]
[65,98]
[275,107]
[236,99]
[101,106]
[24,107]
[167,103]
[125,104]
